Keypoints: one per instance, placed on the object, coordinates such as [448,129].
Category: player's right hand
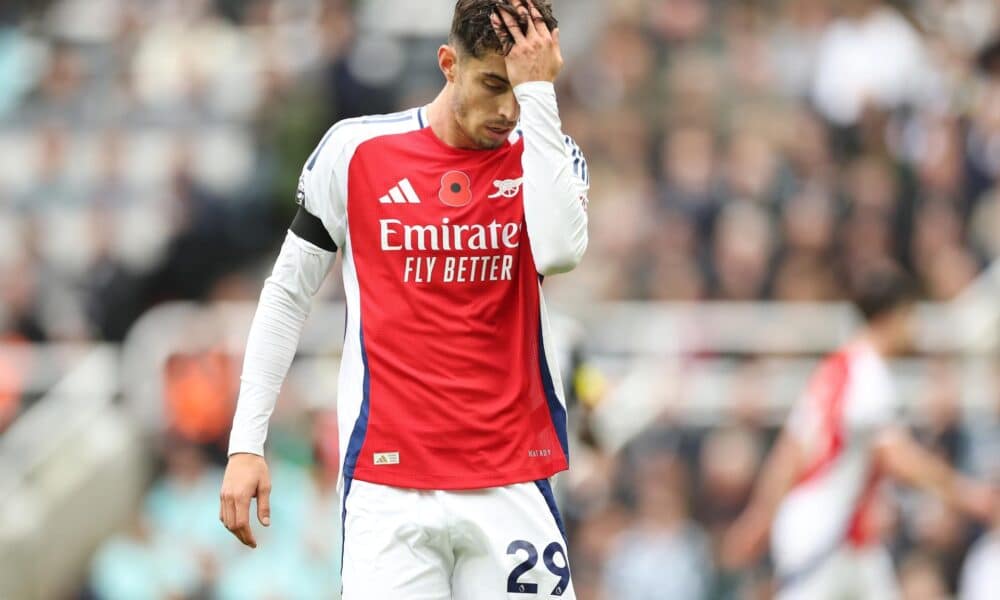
[246,477]
[535,54]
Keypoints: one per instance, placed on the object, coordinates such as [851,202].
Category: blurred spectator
[742,250]
[941,535]
[983,451]
[920,578]
[689,182]
[136,565]
[171,549]
[943,431]
[590,550]
[177,548]
[662,554]
[728,464]
[201,397]
[847,79]
[985,221]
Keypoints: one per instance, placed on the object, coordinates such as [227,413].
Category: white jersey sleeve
[555,182]
[306,257]
[274,336]
[304,261]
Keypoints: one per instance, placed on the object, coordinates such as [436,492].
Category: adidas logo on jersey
[387,458]
[401,193]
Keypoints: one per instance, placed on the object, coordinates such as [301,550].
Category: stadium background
[747,159]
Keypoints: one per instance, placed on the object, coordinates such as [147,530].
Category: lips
[499,132]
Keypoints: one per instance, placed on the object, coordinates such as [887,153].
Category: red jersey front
[446,380]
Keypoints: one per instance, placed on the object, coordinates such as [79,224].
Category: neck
[878,339]
[444,123]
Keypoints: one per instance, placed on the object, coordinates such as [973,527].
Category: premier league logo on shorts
[456,189]
[300,194]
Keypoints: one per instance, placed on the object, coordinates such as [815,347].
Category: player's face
[483,100]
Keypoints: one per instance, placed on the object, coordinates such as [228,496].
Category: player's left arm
[904,459]
[555,173]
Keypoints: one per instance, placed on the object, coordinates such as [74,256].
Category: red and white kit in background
[823,540]
[450,406]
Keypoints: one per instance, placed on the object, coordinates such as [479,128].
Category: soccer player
[450,405]
[820,485]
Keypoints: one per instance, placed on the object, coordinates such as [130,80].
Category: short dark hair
[878,291]
[471,29]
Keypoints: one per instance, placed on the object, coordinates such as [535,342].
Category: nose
[509,108]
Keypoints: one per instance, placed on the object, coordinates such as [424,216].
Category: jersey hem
[452,483]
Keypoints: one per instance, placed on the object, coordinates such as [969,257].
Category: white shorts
[491,544]
[861,573]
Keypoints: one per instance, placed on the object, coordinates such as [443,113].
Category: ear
[448,62]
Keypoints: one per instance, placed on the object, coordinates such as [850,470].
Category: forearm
[748,535]
[274,336]
[906,460]
[554,183]
[777,476]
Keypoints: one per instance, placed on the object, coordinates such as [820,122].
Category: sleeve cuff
[532,88]
[256,403]
[245,448]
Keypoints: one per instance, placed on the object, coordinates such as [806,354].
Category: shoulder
[873,397]
[870,370]
[832,374]
[826,386]
[343,138]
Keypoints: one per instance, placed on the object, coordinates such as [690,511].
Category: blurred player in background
[450,406]
[819,489]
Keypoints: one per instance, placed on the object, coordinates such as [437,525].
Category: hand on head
[534,53]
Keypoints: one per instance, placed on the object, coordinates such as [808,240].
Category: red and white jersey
[447,379]
[848,402]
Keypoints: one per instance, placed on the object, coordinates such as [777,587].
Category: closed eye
[495,84]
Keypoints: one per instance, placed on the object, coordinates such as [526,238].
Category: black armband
[308,227]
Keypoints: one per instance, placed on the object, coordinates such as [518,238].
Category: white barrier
[72,468]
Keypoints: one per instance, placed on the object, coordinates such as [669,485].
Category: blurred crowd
[644,522]
[647,522]
[772,149]
[738,151]
[176,548]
